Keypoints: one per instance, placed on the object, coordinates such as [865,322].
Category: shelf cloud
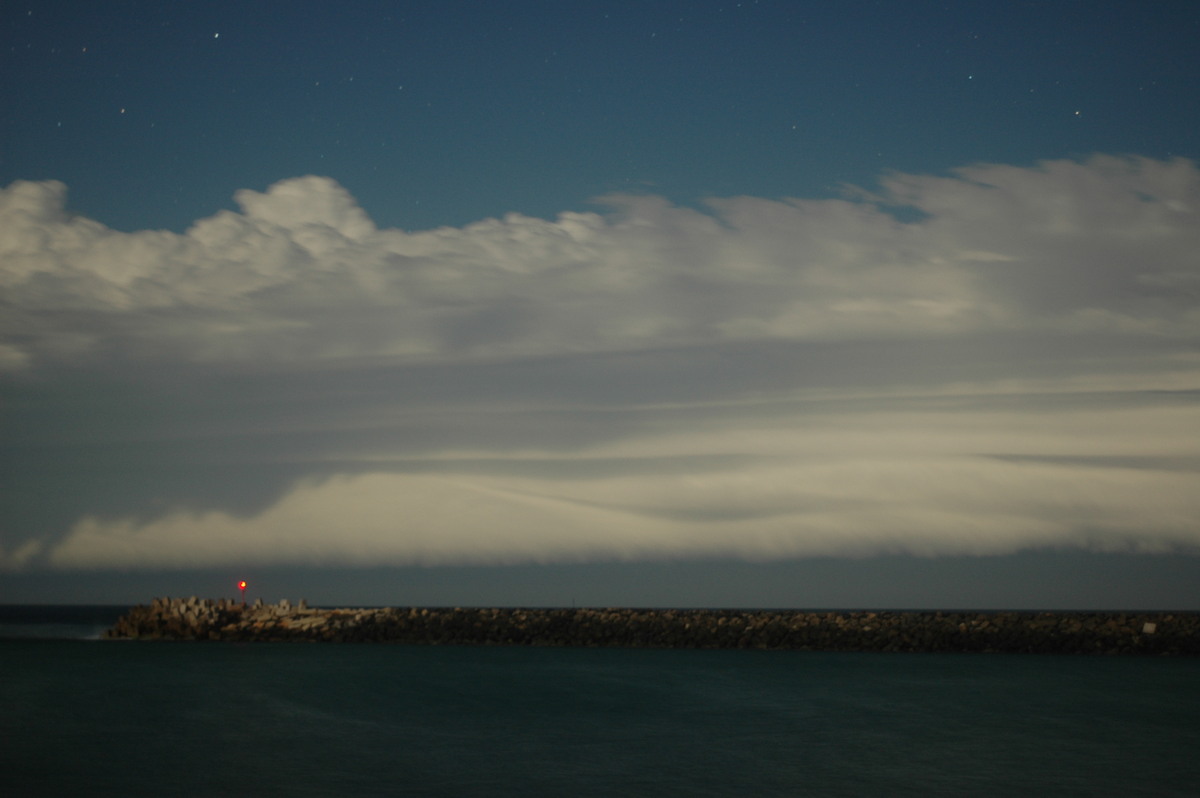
[999,359]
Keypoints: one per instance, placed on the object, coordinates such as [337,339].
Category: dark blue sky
[154,114]
[889,300]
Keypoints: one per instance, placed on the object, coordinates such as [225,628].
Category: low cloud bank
[922,489]
[855,508]
[1016,368]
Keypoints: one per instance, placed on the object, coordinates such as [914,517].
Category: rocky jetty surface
[1015,632]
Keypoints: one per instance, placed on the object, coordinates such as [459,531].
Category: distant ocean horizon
[84,716]
[58,621]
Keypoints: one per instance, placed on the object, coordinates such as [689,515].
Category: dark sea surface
[91,717]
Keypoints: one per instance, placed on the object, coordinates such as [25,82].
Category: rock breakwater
[1012,632]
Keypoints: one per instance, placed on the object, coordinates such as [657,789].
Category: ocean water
[90,717]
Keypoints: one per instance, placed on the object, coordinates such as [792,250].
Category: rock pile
[1024,632]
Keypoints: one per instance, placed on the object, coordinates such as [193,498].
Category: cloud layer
[1000,359]
[303,274]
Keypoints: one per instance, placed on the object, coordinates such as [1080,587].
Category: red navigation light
[242,585]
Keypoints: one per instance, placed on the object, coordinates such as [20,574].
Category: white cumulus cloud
[301,273]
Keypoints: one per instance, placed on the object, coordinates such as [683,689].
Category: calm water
[123,718]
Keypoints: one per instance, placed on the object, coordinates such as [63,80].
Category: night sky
[855,304]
